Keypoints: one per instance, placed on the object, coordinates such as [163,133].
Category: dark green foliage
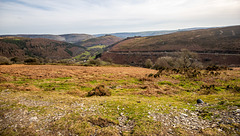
[150,75]
[96,62]
[15,59]
[31,61]
[213,68]
[68,51]
[20,43]
[234,88]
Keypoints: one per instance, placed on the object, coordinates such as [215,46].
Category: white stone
[33,119]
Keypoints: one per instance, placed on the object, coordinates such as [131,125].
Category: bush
[96,62]
[15,59]
[183,59]
[31,61]
[164,62]
[148,63]
[187,59]
[4,61]
[99,91]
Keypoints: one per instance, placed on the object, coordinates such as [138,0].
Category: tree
[187,59]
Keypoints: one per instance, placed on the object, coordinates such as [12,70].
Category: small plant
[99,91]
[212,68]
[150,75]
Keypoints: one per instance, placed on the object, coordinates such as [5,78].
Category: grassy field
[54,100]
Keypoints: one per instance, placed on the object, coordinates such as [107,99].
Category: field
[55,100]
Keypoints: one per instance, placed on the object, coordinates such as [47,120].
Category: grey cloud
[95,16]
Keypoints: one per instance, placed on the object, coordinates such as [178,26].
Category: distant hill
[74,38]
[103,40]
[70,38]
[149,33]
[38,47]
[143,34]
[215,45]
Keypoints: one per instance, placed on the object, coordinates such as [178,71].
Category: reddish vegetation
[83,73]
[207,40]
[43,48]
[215,46]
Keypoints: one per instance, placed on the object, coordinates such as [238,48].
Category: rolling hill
[103,40]
[149,33]
[38,47]
[143,34]
[214,46]
[70,38]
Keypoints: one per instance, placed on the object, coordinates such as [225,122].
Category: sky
[110,16]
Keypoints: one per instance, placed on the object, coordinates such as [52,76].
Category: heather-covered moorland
[77,100]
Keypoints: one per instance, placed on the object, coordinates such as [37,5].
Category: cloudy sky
[108,16]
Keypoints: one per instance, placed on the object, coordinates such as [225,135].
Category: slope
[103,40]
[70,38]
[95,46]
[217,45]
[40,48]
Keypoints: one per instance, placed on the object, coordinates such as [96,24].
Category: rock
[199,101]
[214,125]
[185,115]
[33,119]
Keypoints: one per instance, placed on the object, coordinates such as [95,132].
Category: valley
[180,83]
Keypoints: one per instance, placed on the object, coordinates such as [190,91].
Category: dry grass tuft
[99,91]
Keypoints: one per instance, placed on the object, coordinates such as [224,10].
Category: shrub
[148,63]
[166,62]
[96,62]
[183,59]
[4,61]
[31,61]
[15,59]
[99,91]
[187,59]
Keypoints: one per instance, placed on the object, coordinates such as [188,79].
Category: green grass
[165,83]
[67,96]
[82,56]
[97,47]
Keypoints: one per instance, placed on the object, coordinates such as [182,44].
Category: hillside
[95,46]
[40,48]
[103,40]
[70,38]
[149,33]
[215,45]
[74,38]
[145,33]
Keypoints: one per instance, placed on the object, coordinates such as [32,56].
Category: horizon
[201,27]
[111,16]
